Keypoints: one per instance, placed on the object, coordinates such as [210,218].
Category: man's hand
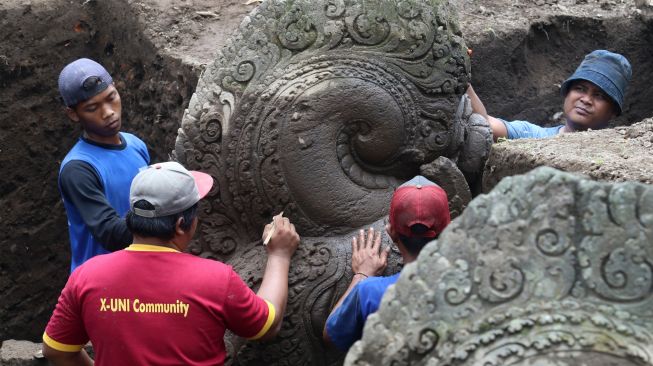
[284,240]
[367,257]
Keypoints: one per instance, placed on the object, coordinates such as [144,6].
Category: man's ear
[72,114]
[391,232]
[178,229]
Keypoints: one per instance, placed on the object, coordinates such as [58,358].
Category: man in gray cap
[152,304]
[95,175]
[594,95]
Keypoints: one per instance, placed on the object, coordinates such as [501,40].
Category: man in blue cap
[95,175]
[594,95]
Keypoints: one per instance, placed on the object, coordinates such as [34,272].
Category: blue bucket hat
[81,80]
[608,70]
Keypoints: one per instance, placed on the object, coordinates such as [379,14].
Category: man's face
[100,116]
[587,106]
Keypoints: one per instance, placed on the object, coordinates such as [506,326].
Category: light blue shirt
[524,130]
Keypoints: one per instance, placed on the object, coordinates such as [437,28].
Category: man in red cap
[419,211]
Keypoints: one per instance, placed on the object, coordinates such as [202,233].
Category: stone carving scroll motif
[319,109]
[549,268]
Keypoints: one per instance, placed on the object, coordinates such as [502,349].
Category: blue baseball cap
[608,70]
[81,80]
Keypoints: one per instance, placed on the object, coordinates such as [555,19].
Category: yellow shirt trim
[268,323]
[61,346]
[150,248]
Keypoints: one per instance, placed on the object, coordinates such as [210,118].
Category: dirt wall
[35,135]
[33,139]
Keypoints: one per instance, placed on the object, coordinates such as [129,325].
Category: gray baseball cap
[81,80]
[169,187]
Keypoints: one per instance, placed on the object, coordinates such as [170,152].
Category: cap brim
[203,181]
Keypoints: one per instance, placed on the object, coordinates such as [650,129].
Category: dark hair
[158,227]
[415,244]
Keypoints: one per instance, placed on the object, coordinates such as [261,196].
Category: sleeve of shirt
[81,186]
[523,129]
[518,129]
[144,151]
[65,331]
[345,326]
[246,314]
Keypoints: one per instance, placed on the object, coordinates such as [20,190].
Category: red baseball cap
[419,201]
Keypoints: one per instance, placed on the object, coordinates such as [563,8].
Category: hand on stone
[367,257]
[284,240]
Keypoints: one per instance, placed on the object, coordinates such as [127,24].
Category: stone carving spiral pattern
[546,268]
[319,108]
[301,75]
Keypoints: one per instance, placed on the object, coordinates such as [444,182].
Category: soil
[614,155]
[155,49]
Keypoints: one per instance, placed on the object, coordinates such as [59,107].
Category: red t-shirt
[152,305]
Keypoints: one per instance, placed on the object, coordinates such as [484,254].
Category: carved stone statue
[319,108]
[548,269]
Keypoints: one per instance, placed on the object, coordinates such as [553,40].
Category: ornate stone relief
[549,268]
[319,109]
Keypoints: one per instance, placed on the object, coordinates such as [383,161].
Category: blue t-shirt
[345,325]
[524,130]
[115,168]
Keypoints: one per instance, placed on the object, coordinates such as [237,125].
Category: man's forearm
[498,128]
[113,235]
[274,287]
[477,104]
[356,279]
[81,186]
[58,358]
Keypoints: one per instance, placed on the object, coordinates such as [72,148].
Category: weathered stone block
[21,353]
[550,268]
[442,172]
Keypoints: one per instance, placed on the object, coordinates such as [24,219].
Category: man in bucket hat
[594,94]
[95,175]
[419,211]
[152,304]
